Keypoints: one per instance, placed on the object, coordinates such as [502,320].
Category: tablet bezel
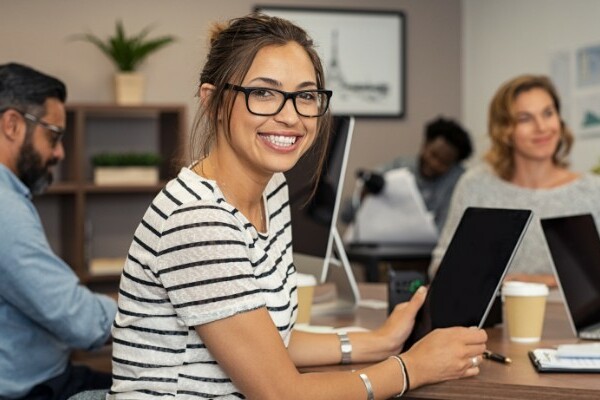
[473,226]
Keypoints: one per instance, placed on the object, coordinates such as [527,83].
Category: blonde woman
[525,167]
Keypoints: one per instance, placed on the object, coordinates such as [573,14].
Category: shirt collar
[10,181]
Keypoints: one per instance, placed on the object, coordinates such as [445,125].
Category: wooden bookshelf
[84,221]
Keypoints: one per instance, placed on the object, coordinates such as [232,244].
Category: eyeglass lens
[56,132]
[268,102]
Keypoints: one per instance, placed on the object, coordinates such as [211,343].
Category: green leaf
[127,52]
[125,159]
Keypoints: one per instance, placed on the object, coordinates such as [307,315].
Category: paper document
[578,350]
[396,215]
[546,360]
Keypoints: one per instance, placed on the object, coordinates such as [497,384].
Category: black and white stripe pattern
[195,259]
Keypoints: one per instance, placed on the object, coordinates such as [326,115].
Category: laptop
[574,246]
[471,272]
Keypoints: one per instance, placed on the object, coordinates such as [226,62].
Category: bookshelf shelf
[84,221]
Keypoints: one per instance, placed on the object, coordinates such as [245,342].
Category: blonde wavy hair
[502,122]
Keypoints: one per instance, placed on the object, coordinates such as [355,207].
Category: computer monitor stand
[337,270]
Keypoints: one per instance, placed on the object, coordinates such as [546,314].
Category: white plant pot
[129,88]
[126,175]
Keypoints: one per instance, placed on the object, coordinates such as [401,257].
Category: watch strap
[345,348]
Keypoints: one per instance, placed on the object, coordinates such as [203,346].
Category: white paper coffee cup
[524,309]
[306,289]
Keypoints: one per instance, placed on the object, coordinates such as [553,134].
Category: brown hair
[502,122]
[233,46]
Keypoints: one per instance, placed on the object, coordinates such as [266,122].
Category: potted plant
[596,168]
[127,52]
[126,168]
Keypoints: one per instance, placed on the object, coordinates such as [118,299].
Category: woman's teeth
[282,141]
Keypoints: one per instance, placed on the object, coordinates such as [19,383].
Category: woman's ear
[205,91]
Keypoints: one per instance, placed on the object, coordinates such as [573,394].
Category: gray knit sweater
[481,187]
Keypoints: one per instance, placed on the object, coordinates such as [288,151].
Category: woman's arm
[250,350]
[370,346]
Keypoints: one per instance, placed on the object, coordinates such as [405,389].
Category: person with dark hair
[208,296]
[525,167]
[453,134]
[438,166]
[44,310]
[436,169]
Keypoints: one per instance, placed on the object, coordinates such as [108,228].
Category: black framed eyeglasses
[268,101]
[57,131]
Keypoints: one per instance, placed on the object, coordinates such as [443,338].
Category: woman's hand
[400,323]
[445,354]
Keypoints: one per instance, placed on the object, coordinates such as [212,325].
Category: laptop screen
[574,245]
[471,271]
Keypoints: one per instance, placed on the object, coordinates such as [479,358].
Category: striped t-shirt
[196,259]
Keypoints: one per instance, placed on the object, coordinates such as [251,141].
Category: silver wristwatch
[345,348]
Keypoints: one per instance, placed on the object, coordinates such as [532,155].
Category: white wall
[502,39]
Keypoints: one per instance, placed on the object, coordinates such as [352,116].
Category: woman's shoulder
[478,174]
[590,180]
[277,180]
[189,190]
[277,187]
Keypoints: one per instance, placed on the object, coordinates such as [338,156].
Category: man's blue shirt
[44,310]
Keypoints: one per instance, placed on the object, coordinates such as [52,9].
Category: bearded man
[45,312]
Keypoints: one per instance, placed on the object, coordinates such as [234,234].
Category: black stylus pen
[496,357]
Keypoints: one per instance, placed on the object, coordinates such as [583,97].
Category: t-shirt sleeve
[204,265]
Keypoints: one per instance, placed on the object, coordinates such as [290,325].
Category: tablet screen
[471,271]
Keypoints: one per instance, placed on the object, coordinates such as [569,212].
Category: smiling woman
[527,167]
[208,297]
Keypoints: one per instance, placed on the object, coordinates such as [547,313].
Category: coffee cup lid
[514,288]
[306,279]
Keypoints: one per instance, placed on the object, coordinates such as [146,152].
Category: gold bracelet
[402,368]
[368,386]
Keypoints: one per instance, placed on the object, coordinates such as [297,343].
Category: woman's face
[537,130]
[269,144]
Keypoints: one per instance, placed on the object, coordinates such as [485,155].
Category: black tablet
[471,272]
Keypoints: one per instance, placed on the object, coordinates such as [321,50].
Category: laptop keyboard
[592,332]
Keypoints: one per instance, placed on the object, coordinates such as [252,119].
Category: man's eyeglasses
[57,131]
[267,101]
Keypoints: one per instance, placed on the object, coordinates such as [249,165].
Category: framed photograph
[363,53]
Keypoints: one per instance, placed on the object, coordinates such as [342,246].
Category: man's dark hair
[25,88]
[453,133]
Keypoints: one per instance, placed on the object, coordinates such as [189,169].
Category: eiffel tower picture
[373,92]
